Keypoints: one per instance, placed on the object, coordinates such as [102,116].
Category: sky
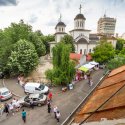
[44,14]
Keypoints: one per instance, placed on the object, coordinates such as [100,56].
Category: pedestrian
[55,109]
[6,109]
[11,108]
[91,82]
[49,106]
[24,116]
[58,116]
[50,96]
[31,103]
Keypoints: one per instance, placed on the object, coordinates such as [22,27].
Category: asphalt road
[66,102]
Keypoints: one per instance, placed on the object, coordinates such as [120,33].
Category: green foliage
[46,40]
[67,39]
[119,44]
[116,62]
[63,69]
[103,52]
[35,38]
[23,58]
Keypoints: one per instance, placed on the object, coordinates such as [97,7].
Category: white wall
[58,37]
[75,34]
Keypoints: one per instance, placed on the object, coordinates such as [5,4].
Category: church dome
[60,24]
[80,16]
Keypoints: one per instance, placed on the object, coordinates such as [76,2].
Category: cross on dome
[80,8]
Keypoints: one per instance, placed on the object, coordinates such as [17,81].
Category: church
[84,42]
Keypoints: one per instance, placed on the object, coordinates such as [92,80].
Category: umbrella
[82,68]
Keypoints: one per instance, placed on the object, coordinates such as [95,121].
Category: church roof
[60,24]
[80,16]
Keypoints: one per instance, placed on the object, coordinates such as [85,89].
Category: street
[65,101]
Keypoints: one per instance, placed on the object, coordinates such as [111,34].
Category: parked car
[5,94]
[38,100]
[35,88]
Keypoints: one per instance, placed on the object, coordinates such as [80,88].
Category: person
[49,106]
[11,108]
[6,108]
[55,109]
[17,105]
[91,82]
[50,96]
[24,116]
[58,116]
[31,103]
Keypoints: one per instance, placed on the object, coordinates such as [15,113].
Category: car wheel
[39,104]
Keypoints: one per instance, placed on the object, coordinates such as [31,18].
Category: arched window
[62,29]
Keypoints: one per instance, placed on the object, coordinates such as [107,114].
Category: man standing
[24,116]
[50,96]
[55,109]
[49,106]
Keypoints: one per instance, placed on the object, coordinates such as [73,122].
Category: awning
[82,68]
[88,66]
[93,63]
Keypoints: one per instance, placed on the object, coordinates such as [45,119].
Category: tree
[23,58]
[119,45]
[63,69]
[46,40]
[116,62]
[103,52]
[38,43]
[67,39]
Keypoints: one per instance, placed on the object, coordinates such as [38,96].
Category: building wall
[58,37]
[79,24]
[106,26]
[85,48]
[75,34]
[51,47]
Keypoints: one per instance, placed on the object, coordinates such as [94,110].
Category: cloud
[33,19]
[8,2]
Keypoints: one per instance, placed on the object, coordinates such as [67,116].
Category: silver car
[38,100]
[5,94]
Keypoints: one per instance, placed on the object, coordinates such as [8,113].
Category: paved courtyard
[66,102]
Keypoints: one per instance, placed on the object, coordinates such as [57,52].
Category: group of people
[55,109]
[12,107]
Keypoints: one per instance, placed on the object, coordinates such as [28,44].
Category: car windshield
[41,96]
[5,93]
[26,98]
[41,87]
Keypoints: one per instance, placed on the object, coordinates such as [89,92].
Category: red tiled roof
[75,56]
[111,109]
[88,57]
[118,70]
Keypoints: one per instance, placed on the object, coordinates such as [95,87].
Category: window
[59,29]
[62,29]
[37,89]
[90,50]
[80,51]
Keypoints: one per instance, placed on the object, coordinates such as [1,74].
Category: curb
[12,92]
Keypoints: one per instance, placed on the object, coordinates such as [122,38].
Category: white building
[84,41]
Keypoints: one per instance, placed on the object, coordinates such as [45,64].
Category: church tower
[79,20]
[60,30]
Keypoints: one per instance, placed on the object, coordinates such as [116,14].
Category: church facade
[84,42]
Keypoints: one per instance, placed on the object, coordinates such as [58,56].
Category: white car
[5,94]
[35,88]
